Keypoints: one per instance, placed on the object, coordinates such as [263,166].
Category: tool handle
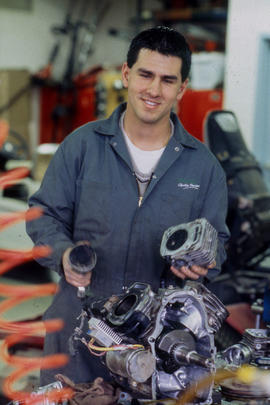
[81,292]
[82,259]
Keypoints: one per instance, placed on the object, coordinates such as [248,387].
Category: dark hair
[164,40]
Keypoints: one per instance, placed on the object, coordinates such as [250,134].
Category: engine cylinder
[136,364]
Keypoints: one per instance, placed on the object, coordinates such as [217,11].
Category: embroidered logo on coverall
[188,186]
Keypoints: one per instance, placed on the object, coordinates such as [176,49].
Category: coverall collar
[110,127]
[177,143]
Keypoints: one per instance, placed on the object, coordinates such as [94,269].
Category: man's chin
[150,117]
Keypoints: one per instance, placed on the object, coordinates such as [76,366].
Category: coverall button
[154,176]
[114,143]
[177,149]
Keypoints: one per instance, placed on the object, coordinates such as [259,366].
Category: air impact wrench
[82,259]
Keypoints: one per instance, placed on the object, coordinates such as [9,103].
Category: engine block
[158,344]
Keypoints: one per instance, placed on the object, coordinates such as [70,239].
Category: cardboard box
[44,155]
[18,115]
[207,70]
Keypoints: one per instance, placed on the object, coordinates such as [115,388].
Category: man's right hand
[193,272]
[72,277]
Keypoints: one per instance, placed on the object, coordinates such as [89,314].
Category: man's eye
[144,75]
[169,81]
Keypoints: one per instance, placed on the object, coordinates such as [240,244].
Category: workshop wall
[247,22]
[26,39]
[25,36]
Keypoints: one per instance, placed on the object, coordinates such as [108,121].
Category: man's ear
[182,89]
[125,74]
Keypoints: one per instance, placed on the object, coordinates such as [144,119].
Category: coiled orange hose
[18,294]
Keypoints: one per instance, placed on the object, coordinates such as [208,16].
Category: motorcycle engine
[158,344]
[254,348]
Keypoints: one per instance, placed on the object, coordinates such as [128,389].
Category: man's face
[154,84]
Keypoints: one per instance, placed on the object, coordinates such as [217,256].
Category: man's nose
[154,88]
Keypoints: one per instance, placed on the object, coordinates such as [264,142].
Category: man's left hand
[193,272]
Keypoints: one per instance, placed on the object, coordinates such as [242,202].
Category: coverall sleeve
[215,211]
[56,198]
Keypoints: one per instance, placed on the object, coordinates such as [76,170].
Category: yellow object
[247,374]
[110,92]
[112,348]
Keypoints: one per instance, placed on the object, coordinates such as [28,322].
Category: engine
[157,344]
[254,348]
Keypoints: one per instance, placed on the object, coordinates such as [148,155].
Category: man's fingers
[73,278]
[189,273]
[78,280]
[200,271]
[194,272]
[212,265]
[184,272]
[178,273]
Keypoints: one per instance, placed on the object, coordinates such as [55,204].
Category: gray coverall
[89,192]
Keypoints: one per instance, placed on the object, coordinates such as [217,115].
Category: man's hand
[73,278]
[193,272]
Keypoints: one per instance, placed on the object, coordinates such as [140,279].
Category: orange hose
[4,128]
[10,177]
[11,219]
[15,295]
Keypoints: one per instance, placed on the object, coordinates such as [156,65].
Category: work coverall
[90,192]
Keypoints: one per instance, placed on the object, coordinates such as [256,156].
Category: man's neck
[147,136]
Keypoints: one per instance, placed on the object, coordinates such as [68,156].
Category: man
[119,184]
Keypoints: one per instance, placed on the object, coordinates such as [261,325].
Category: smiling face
[154,84]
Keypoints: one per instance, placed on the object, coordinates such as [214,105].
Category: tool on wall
[81,34]
[79,27]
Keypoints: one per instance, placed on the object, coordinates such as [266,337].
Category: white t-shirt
[144,161]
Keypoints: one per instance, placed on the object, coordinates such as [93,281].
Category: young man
[119,184]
